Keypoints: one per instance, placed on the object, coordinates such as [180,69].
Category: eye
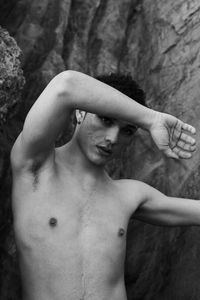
[128,131]
[106,121]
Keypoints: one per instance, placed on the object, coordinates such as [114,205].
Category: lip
[104,151]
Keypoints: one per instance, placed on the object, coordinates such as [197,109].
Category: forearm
[91,95]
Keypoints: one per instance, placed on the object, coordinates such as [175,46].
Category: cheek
[90,135]
[95,133]
[92,130]
[123,143]
[126,140]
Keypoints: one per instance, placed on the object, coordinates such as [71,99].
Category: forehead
[118,122]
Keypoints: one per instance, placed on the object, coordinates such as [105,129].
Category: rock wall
[11,84]
[156,42]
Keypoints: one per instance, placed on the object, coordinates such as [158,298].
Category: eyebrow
[131,126]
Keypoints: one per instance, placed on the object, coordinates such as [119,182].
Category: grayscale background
[157,42]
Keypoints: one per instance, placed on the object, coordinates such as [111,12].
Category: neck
[80,165]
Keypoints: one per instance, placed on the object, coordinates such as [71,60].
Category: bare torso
[71,240]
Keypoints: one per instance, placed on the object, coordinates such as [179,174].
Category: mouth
[104,151]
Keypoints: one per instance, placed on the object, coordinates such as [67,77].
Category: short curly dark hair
[125,84]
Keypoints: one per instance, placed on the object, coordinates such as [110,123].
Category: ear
[80,114]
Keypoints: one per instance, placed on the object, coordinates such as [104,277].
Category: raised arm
[43,124]
[159,209]
[68,91]
[72,90]
[171,135]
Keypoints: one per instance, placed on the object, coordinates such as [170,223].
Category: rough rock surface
[11,78]
[158,43]
[11,84]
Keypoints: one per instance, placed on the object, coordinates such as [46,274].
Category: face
[100,138]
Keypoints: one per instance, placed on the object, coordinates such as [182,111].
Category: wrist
[150,119]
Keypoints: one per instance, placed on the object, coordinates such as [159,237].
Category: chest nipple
[53,222]
[121,232]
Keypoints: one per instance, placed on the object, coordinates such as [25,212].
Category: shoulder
[131,185]
[134,192]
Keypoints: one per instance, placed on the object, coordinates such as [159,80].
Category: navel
[121,232]
[53,222]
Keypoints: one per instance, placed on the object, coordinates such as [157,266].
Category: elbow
[66,83]
[67,76]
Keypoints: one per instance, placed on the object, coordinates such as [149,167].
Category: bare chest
[65,219]
[70,238]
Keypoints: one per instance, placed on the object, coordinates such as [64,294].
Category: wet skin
[71,223]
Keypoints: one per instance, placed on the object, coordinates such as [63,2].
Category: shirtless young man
[70,217]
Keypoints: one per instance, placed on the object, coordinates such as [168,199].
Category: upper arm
[153,205]
[159,209]
[43,124]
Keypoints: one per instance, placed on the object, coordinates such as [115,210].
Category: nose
[112,135]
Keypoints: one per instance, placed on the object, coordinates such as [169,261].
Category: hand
[171,136]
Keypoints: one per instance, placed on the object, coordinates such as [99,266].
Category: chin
[98,161]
